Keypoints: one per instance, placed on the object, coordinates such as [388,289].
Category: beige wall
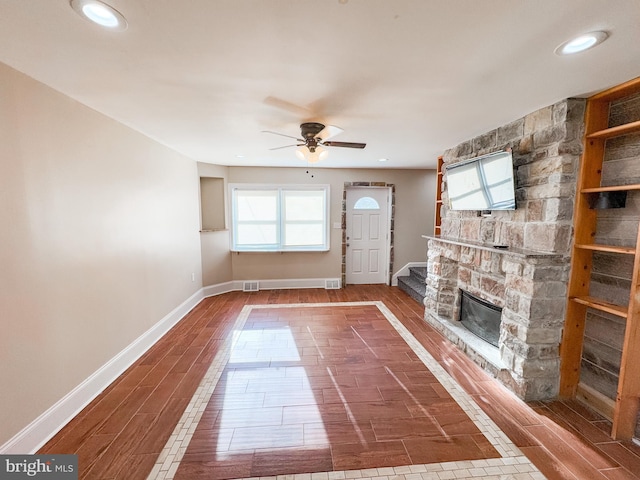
[99,240]
[415,196]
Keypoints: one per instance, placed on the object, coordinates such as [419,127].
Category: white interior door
[367,235]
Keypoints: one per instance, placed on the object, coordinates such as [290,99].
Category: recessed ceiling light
[100,13]
[383,160]
[581,43]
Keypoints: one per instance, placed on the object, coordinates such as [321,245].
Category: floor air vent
[250,286]
[332,284]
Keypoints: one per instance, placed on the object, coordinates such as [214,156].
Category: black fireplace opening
[480,317]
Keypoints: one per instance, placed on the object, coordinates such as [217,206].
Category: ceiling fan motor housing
[312,138]
[309,130]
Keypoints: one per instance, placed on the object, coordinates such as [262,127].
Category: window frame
[280,221]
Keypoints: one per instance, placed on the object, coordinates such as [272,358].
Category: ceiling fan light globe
[302,153]
[318,154]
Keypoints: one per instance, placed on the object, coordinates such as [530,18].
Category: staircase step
[414,287]
[420,272]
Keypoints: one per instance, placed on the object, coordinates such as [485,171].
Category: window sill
[323,250]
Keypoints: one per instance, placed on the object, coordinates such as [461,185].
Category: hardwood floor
[259,421]
[318,389]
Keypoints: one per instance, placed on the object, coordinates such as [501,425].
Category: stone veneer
[529,280]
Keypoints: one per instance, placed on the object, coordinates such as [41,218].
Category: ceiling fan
[315,136]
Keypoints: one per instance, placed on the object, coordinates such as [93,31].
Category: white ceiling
[410,78]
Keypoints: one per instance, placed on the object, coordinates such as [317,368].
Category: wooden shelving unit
[597,131]
[438,217]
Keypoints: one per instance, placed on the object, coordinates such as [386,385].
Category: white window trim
[280,221]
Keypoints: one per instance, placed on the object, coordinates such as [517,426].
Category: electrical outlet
[193,277]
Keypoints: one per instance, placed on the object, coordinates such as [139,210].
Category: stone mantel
[510,251]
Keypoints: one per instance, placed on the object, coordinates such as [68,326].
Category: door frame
[390,225]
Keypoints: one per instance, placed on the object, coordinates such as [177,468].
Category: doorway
[367,235]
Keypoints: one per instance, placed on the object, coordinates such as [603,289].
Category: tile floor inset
[312,388]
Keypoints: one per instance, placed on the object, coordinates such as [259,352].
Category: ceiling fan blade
[282,135]
[297,110]
[345,144]
[328,132]
[287,146]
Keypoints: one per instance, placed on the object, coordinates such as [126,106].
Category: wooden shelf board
[596,400]
[612,188]
[618,131]
[606,248]
[628,88]
[602,305]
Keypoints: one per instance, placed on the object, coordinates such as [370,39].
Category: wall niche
[212,216]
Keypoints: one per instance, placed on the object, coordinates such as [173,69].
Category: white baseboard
[274,284]
[38,432]
[293,283]
[404,271]
[220,288]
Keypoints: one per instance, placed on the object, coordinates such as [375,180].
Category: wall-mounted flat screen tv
[482,183]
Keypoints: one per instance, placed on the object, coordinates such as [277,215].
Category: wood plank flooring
[124,430]
[326,388]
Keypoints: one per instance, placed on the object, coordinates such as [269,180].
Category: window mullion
[280,217]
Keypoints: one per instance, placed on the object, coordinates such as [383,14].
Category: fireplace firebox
[480,317]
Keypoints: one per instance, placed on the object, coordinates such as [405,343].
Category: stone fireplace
[530,287]
[527,280]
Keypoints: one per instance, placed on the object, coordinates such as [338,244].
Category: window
[366,203]
[279,218]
